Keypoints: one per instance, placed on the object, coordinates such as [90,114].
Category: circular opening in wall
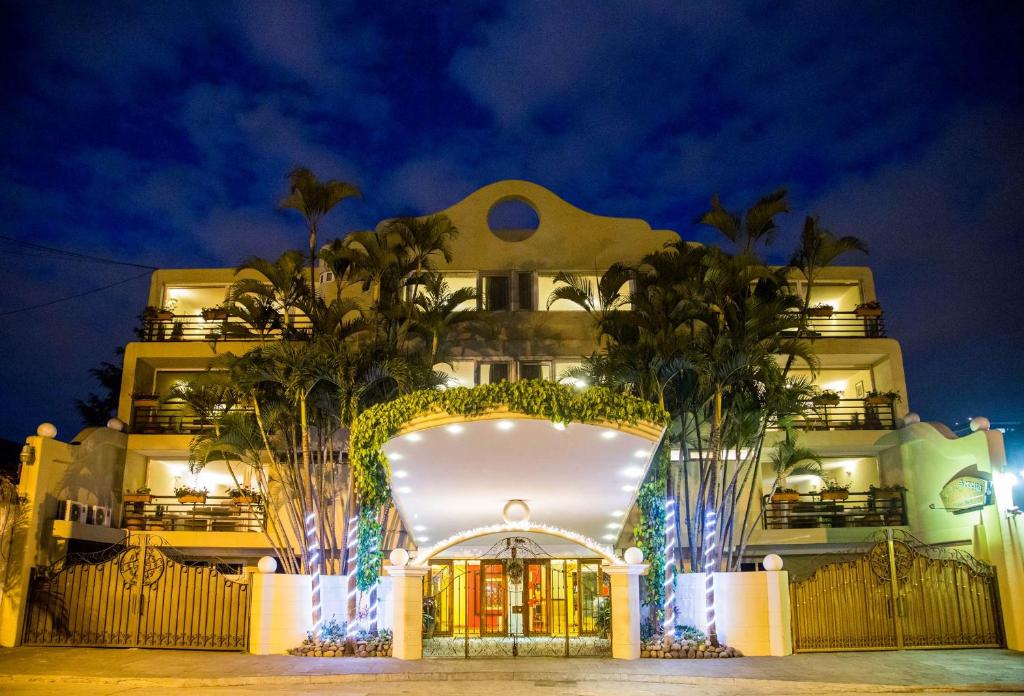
[513,219]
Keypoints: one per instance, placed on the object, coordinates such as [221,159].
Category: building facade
[454,475]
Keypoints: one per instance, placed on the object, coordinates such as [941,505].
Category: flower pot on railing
[141,498]
[888,493]
[878,400]
[242,500]
[785,497]
[833,496]
[820,312]
[826,399]
[214,313]
[157,314]
[191,499]
[868,312]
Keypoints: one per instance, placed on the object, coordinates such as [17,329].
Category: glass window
[497,295]
[457,281]
[534,369]
[564,366]
[525,291]
[491,373]
[460,372]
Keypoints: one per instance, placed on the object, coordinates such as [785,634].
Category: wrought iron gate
[137,596]
[898,594]
[517,606]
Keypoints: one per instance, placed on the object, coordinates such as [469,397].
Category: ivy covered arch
[377,425]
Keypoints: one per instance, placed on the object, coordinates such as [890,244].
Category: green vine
[558,403]
[649,533]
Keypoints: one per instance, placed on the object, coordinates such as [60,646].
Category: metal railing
[848,324]
[196,328]
[168,420]
[847,414]
[860,509]
[165,513]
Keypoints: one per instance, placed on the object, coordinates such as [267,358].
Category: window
[525,291]
[534,369]
[492,373]
[497,293]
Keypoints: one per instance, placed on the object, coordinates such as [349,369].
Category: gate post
[626,609]
[407,611]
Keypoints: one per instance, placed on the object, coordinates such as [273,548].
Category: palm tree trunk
[710,516]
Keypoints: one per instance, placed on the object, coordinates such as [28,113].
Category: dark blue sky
[160,133]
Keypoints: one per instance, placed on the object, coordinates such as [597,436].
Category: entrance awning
[450,474]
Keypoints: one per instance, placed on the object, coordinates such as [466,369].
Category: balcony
[860,509]
[164,513]
[850,324]
[847,414]
[196,328]
[168,420]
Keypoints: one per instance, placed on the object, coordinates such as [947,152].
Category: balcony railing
[860,509]
[164,513]
[168,420]
[196,328]
[848,414]
[845,325]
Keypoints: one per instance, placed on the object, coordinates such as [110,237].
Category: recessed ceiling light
[632,471]
[618,513]
[608,434]
[399,473]
[640,454]
[612,525]
[413,437]
[454,428]
[558,426]
[505,425]
[629,489]
[405,489]
[609,537]
[396,456]
[420,528]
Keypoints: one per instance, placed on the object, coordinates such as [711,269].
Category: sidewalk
[908,671]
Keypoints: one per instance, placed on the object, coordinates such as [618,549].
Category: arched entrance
[521,595]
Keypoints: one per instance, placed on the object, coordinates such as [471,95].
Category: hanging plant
[558,403]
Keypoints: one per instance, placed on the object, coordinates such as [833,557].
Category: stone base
[683,649]
[347,647]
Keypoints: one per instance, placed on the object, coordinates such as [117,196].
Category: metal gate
[898,594]
[523,604]
[137,596]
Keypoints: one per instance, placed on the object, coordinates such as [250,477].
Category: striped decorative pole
[669,622]
[710,522]
[313,547]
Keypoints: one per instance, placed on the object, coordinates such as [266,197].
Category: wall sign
[968,491]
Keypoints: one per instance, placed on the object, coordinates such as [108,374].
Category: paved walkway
[878,672]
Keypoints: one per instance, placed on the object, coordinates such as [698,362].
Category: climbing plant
[558,403]
[649,534]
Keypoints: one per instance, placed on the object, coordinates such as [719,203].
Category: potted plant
[820,310]
[785,495]
[877,398]
[214,313]
[152,313]
[145,399]
[139,495]
[827,397]
[868,309]
[243,495]
[886,492]
[190,495]
[833,490]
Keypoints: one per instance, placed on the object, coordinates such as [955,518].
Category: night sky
[161,133]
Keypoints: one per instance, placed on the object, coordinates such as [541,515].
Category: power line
[74,254]
[77,295]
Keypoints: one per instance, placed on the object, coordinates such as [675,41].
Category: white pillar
[626,609]
[780,629]
[407,611]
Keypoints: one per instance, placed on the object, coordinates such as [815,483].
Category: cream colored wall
[751,609]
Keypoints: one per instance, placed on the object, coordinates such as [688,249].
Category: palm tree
[789,458]
[285,282]
[423,239]
[438,312]
[313,199]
